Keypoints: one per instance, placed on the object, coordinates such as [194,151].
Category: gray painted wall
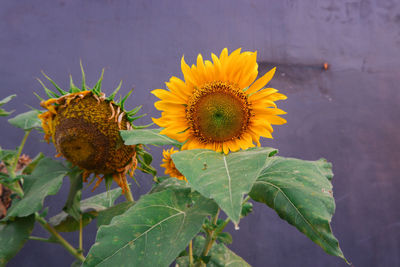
[348,114]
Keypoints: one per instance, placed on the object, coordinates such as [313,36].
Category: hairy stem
[191,253]
[21,146]
[81,234]
[59,238]
[128,194]
[211,235]
[16,187]
[48,240]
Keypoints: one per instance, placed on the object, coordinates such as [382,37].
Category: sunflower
[169,165]
[84,126]
[220,105]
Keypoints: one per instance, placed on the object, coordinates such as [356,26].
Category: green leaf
[101,201]
[26,121]
[247,208]
[146,137]
[170,183]
[106,215]
[89,208]
[6,99]
[224,178]
[225,238]
[45,180]
[301,193]
[4,113]
[152,232]
[8,157]
[221,256]
[13,235]
[63,222]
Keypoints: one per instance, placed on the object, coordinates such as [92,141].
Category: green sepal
[141,126]
[97,88]
[48,92]
[83,77]
[72,87]
[38,96]
[112,96]
[61,91]
[131,119]
[134,111]
[121,104]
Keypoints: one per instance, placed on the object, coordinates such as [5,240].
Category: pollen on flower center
[218,112]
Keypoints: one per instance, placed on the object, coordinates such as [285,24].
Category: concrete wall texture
[348,114]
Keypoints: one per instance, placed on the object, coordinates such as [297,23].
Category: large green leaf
[13,235]
[225,178]
[169,183]
[146,137]
[152,232]
[27,120]
[45,180]
[89,208]
[301,193]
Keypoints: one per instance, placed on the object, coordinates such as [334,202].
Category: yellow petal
[262,94]
[168,96]
[277,96]
[225,148]
[164,105]
[261,82]
[187,73]
[276,120]
[179,87]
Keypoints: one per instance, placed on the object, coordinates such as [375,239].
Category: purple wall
[348,114]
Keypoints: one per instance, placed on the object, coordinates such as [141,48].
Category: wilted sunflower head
[169,165]
[84,126]
[220,105]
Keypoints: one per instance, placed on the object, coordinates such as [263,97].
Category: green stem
[21,146]
[59,238]
[210,235]
[128,194]
[191,253]
[48,240]
[81,235]
[16,187]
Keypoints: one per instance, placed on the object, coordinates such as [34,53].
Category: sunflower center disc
[218,112]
